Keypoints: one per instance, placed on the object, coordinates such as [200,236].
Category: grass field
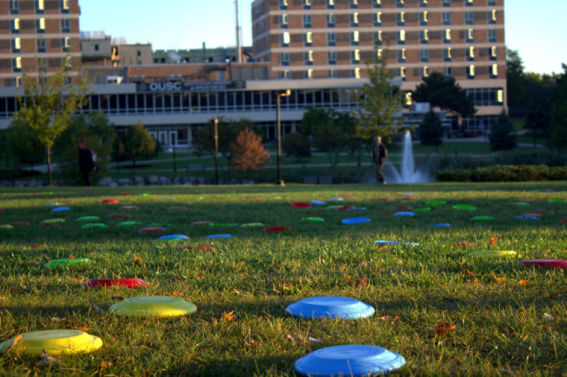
[502,318]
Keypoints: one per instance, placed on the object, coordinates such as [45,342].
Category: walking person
[380,153]
[86,163]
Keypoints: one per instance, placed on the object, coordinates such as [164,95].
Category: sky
[536,28]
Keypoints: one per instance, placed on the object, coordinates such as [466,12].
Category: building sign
[175,86]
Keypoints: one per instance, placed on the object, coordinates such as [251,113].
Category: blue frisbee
[173,237]
[349,360]
[330,307]
[355,220]
[404,214]
[441,225]
[527,217]
[60,209]
[385,243]
[215,236]
[317,203]
[336,199]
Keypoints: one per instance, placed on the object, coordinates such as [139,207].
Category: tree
[247,152]
[138,143]
[204,141]
[558,131]
[47,106]
[431,131]
[22,145]
[97,132]
[297,145]
[515,78]
[502,136]
[444,92]
[538,124]
[380,102]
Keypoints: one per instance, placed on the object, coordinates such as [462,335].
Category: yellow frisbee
[53,342]
[493,253]
[153,306]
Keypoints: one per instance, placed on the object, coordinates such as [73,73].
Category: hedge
[504,173]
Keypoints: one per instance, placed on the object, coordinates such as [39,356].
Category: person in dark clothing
[86,163]
[380,153]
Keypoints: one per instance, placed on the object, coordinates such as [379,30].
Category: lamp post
[216,123]
[286,93]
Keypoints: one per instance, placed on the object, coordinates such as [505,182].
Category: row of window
[41,45]
[401,19]
[353,4]
[15,27]
[64,6]
[42,64]
[231,101]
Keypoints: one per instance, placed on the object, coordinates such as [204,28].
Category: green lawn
[508,319]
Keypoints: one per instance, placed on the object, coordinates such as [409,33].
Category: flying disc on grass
[330,307]
[87,218]
[201,223]
[545,263]
[153,306]
[151,229]
[333,207]
[129,223]
[216,236]
[441,225]
[557,200]
[387,243]
[127,283]
[252,225]
[404,208]
[52,342]
[336,199]
[173,237]
[404,214]
[300,205]
[523,217]
[6,226]
[482,218]
[346,208]
[522,204]
[60,209]
[66,262]
[493,253]
[109,201]
[464,207]
[385,199]
[351,360]
[313,219]
[275,229]
[120,216]
[317,202]
[20,223]
[435,202]
[422,209]
[221,225]
[94,226]
[355,220]
[52,204]
[128,208]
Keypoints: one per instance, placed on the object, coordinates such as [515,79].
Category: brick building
[38,36]
[315,39]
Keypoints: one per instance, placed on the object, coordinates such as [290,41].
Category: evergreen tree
[558,131]
[502,135]
[431,131]
[247,152]
[444,92]
[22,146]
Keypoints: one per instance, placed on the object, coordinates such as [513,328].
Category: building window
[401,37]
[378,19]
[491,3]
[424,18]
[423,3]
[500,96]
[379,52]
[66,43]
[492,35]
[424,36]
[332,73]
[17,81]
[17,64]
[401,18]
[447,54]
[446,18]
[402,55]
[308,57]
[425,71]
[14,6]
[42,64]
[354,19]
[470,53]
[284,74]
[65,25]
[16,45]
[493,53]
[309,73]
[403,73]
[331,39]
[494,71]
[470,72]
[41,45]
[470,35]
[284,21]
[400,3]
[284,39]
[424,55]
[377,3]
[492,16]
[330,4]
[308,39]
[354,38]
[356,73]
[40,25]
[469,3]
[331,20]
[306,4]
[378,37]
[332,57]
[67,62]
[284,58]
[355,56]
[447,36]
[353,4]
[307,20]
[283,4]
[15,26]
[446,3]
[64,6]
[39,6]
[469,18]
[448,71]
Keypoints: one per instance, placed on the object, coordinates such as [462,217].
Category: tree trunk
[49,180]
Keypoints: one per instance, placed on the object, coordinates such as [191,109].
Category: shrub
[504,173]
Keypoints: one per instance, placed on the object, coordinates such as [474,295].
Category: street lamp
[216,122]
[285,93]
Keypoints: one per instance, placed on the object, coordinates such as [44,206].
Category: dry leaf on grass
[296,338]
[500,280]
[16,340]
[443,328]
[228,317]
[468,272]
[493,240]
[138,259]
[548,317]
[525,282]
[176,293]
[389,318]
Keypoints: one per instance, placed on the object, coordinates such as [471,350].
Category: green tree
[47,106]
[537,123]
[515,81]
[444,92]
[298,146]
[380,102]
[138,143]
[502,136]
[558,131]
[21,144]
[247,152]
[204,141]
[97,132]
[431,131]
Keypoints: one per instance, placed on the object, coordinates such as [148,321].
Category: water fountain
[407,173]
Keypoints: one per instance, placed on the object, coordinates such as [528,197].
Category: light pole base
[280,183]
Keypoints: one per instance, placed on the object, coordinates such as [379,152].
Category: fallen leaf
[493,240]
[548,317]
[388,318]
[349,277]
[47,360]
[296,338]
[362,282]
[138,259]
[243,293]
[84,328]
[525,282]
[201,277]
[504,370]
[313,339]
[228,317]
[16,340]
[500,280]
[58,319]
[383,248]
[443,328]
[106,364]
[468,272]
[176,293]
[71,256]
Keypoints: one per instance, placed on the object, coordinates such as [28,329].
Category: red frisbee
[128,283]
[151,229]
[109,201]
[463,244]
[206,223]
[120,216]
[544,212]
[199,248]
[385,199]
[404,208]
[564,221]
[410,198]
[389,212]
[125,193]
[275,229]
[532,214]
[545,263]
[346,208]
[38,246]
[128,208]
[300,205]
[20,223]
